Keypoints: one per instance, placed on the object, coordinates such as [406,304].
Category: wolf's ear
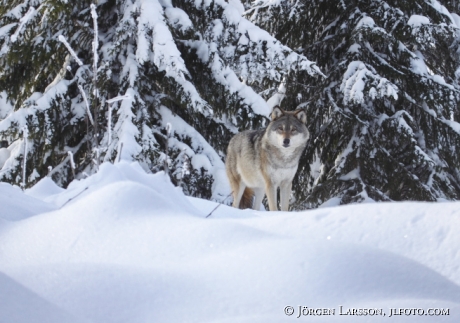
[301,115]
[276,113]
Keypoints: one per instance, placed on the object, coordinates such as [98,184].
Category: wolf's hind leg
[285,193]
[238,190]
[236,183]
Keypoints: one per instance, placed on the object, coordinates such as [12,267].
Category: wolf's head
[287,128]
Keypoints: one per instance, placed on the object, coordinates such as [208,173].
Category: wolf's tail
[246,199]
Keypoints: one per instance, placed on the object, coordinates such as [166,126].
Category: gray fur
[260,161]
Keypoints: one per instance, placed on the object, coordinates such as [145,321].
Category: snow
[126,246]
[335,201]
[85,99]
[239,53]
[126,130]
[44,189]
[416,21]
[152,32]
[441,9]
[118,98]
[95,44]
[38,101]
[4,155]
[354,82]
[365,22]
[13,150]
[178,18]
[15,205]
[17,300]
[355,48]
[456,19]
[276,98]
[202,154]
[160,47]
[25,135]
[351,175]
[72,163]
[418,66]
[69,48]
[22,22]
[5,30]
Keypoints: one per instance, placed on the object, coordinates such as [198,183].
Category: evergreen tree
[384,123]
[199,66]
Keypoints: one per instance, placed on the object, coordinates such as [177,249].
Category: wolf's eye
[280,129]
[294,129]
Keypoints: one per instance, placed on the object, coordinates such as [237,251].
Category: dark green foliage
[380,146]
[30,65]
[383,123]
[196,66]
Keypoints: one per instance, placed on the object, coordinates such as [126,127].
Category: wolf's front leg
[270,190]
[285,194]
[259,196]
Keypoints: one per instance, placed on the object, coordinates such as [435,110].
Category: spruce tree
[384,123]
[199,66]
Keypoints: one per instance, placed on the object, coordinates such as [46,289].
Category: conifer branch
[88,111]
[69,48]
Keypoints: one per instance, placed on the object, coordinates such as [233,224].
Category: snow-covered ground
[125,246]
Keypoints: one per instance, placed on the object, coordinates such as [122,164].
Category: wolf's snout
[286,142]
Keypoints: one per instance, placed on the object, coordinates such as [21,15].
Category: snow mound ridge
[127,246]
[127,197]
[128,189]
[15,205]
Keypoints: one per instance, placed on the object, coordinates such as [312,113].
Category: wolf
[260,161]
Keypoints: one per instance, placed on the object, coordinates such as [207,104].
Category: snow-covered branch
[71,51]
[88,111]
[357,77]
[22,22]
[95,46]
[118,98]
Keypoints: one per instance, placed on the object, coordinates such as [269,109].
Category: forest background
[168,83]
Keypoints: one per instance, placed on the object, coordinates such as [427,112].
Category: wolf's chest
[280,175]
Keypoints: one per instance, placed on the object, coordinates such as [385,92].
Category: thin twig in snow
[210,213]
[119,151]
[73,198]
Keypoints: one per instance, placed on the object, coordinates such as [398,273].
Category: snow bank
[44,189]
[130,247]
[21,305]
[110,175]
[15,205]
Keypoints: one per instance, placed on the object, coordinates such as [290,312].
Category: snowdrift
[125,246]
